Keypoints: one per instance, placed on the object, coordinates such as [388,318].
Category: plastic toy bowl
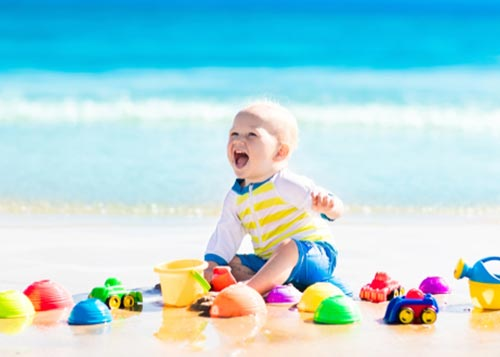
[238,300]
[434,285]
[283,294]
[337,310]
[48,295]
[182,281]
[89,312]
[14,304]
[315,294]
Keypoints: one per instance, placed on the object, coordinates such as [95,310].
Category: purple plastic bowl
[283,294]
[434,285]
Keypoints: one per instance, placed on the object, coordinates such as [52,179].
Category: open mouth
[240,159]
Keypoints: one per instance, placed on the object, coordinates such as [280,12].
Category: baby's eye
[233,134]
[252,134]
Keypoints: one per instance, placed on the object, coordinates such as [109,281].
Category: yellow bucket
[180,281]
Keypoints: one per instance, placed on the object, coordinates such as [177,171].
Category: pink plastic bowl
[434,285]
[48,295]
[283,294]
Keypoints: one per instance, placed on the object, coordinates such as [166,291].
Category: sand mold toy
[337,310]
[114,295]
[182,281]
[434,285]
[381,288]
[222,278]
[415,307]
[484,286]
[283,294]
[238,300]
[48,295]
[90,312]
[15,304]
[315,294]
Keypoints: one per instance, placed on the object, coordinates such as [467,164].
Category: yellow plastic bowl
[15,304]
[315,294]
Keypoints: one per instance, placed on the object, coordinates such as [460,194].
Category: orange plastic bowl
[238,300]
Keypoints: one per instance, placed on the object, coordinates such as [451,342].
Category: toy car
[415,307]
[381,288]
[114,295]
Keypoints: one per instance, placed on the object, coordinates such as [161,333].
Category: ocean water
[124,107]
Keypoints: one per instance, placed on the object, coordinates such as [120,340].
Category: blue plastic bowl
[90,312]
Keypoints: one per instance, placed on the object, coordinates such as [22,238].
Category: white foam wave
[161,110]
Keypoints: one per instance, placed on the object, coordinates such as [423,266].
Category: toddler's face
[252,148]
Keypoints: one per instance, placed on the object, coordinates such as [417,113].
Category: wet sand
[80,252]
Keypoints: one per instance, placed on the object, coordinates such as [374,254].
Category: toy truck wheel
[113,302]
[128,301]
[428,316]
[406,315]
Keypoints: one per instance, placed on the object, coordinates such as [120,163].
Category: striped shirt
[269,212]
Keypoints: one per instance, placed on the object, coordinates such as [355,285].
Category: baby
[283,213]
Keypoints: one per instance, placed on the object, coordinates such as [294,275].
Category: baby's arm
[327,204]
[226,238]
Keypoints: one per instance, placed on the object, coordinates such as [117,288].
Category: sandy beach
[80,252]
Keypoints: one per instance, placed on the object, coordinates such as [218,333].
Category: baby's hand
[322,202]
[208,273]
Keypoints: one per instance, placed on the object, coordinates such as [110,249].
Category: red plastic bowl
[48,295]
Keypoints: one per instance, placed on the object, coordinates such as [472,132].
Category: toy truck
[381,288]
[415,307]
[114,295]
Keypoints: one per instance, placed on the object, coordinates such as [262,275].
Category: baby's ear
[283,152]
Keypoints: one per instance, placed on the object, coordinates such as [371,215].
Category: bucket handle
[201,280]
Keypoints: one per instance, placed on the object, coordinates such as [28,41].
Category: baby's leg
[277,269]
[240,271]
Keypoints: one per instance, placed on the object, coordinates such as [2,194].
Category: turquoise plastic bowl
[90,312]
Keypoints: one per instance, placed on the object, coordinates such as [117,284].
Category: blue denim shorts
[316,263]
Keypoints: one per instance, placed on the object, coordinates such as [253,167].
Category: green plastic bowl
[15,304]
[337,310]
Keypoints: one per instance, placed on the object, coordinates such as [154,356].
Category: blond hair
[281,120]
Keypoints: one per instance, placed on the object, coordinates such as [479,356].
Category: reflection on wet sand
[50,318]
[487,320]
[182,326]
[15,326]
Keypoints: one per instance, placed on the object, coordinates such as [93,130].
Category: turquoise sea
[123,107]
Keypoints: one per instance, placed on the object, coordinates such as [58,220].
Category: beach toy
[222,278]
[434,285]
[283,294]
[48,295]
[315,294]
[381,288]
[237,300]
[89,312]
[15,325]
[337,310]
[415,307]
[180,325]
[15,304]
[484,287]
[182,281]
[114,295]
